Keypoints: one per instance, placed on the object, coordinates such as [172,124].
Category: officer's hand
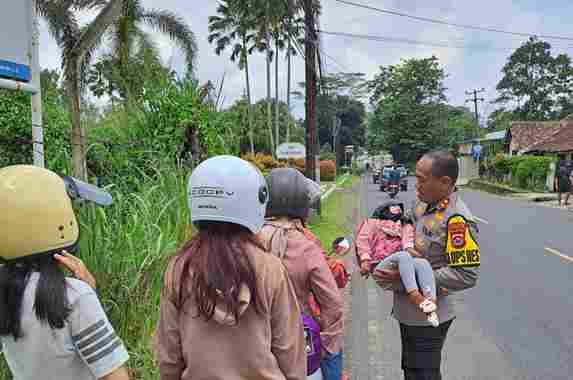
[365,267]
[385,276]
[415,253]
[77,267]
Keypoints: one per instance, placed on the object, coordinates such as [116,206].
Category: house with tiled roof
[541,138]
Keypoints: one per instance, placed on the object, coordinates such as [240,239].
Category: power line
[417,42]
[462,26]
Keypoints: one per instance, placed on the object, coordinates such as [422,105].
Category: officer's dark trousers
[422,351]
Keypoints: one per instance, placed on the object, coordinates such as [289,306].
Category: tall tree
[233,27]
[293,31]
[500,119]
[408,98]
[128,35]
[536,81]
[78,45]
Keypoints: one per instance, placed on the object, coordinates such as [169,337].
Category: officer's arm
[455,279]
[458,278]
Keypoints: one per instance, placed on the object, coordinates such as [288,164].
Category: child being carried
[387,238]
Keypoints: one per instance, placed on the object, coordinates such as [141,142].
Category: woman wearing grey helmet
[291,197]
[227,306]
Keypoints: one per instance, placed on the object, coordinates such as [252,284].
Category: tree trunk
[269,109]
[288,90]
[269,52]
[277,134]
[249,110]
[78,134]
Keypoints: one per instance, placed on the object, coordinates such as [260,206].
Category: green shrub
[527,172]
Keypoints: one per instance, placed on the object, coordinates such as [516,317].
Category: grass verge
[494,188]
[335,218]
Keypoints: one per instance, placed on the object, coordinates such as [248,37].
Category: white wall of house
[469,169]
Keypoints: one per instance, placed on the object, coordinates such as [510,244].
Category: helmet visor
[313,190]
[81,190]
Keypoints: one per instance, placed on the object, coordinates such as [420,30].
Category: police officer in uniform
[446,236]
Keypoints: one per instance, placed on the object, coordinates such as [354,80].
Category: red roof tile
[559,141]
[525,134]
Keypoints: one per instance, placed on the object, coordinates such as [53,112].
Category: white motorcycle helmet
[228,189]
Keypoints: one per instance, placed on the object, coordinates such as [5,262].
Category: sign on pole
[16,22]
[289,151]
[20,62]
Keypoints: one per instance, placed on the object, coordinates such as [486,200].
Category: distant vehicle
[384,180]
[375,175]
[385,175]
[403,171]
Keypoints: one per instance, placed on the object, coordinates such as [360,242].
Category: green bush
[527,172]
[16,126]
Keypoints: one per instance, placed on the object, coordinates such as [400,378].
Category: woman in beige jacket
[228,308]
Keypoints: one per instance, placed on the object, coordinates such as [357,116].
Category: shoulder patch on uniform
[462,248]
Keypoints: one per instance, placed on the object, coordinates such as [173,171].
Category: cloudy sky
[475,61]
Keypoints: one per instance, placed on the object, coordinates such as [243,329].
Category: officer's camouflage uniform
[431,235]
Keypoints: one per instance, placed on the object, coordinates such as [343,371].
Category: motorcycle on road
[393,190]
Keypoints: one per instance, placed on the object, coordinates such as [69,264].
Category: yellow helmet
[37,215]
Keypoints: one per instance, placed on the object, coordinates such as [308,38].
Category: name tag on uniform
[462,249]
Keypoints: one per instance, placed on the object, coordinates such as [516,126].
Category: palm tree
[233,27]
[293,31]
[273,23]
[267,12]
[127,35]
[78,45]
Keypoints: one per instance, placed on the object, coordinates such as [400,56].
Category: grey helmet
[291,193]
[228,189]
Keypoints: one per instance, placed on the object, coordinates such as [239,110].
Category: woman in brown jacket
[228,308]
[291,197]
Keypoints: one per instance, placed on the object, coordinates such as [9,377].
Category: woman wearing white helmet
[51,327]
[227,305]
[285,235]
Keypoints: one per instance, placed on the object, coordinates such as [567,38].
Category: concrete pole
[37,127]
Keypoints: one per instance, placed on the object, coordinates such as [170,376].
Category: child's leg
[425,275]
[408,276]
[405,266]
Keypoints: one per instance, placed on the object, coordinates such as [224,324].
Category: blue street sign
[15,71]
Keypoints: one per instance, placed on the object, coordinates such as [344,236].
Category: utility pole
[336,123]
[37,127]
[310,78]
[475,101]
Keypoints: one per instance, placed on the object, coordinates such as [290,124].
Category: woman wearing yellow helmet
[51,326]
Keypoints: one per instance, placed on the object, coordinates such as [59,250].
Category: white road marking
[557,253]
[481,220]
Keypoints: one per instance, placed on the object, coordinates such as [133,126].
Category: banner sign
[289,151]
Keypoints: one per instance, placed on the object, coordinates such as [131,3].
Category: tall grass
[126,246]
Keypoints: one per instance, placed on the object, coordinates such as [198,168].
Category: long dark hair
[211,268]
[51,302]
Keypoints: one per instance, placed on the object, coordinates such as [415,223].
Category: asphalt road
[516,324]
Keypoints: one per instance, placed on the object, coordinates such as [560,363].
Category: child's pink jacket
[378,239]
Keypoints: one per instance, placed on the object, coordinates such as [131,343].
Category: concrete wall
[469,169]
